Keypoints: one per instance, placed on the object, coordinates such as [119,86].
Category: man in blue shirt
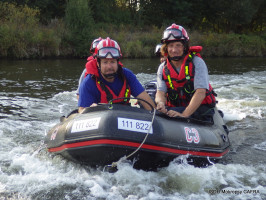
[107,80]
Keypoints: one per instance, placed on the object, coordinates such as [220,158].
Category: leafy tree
[113,12]
[178,11]
[227,15]
[239,16]
[80,24]
[49,9]
[124,15]
[240,13]
[163,13]
[258,22]
[21,35]
[152,13]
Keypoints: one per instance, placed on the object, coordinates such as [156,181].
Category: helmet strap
[109,76]
[176,58]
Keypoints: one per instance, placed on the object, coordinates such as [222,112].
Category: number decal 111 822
[134,125]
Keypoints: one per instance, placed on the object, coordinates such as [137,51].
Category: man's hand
[172,113]
[81,109]
[161,107]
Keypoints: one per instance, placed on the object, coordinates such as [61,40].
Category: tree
[258,23]
[80,24]
[49,9]
[227,15]
[163,13]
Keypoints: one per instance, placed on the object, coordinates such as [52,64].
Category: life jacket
[90,58]
[107,93]
[91,67]
[180,86]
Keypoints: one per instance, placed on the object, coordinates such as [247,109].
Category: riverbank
[135,43]
[25,35]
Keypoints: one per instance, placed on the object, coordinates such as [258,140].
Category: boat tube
[104,134]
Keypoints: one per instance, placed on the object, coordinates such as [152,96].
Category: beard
[109,76]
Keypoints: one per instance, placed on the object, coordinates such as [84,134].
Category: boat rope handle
[114,164]
[153,116]
[111,101]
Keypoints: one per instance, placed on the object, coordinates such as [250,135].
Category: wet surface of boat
[103,134]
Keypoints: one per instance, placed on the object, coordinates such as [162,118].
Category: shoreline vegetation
[22,36]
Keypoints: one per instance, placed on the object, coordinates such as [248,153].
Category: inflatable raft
[102,135]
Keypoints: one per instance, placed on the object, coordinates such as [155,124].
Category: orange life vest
[107,93]
[180,86]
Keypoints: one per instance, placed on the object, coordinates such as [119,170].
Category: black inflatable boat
[102,135]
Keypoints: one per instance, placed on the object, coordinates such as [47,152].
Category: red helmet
[108,48]
[94,44]
[174,32]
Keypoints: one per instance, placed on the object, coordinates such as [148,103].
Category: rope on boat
[114,164]
[111,101]
[212,163]
[40,148]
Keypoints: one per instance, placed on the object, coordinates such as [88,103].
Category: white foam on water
[67,101]
[40,175]
[35,176]
[144,78]
[24,173]
[261,146]
[66,96]
[241,96]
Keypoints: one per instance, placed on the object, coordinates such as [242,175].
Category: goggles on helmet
[108,52]
[175,33]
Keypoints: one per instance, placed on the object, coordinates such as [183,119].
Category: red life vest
[91,67]
[180,86]
[107,93]
[90,58]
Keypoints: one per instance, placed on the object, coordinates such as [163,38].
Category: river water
[35,93]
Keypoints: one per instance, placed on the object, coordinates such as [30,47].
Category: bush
[79,22]
[21,36]
[134,41]
[234,45]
